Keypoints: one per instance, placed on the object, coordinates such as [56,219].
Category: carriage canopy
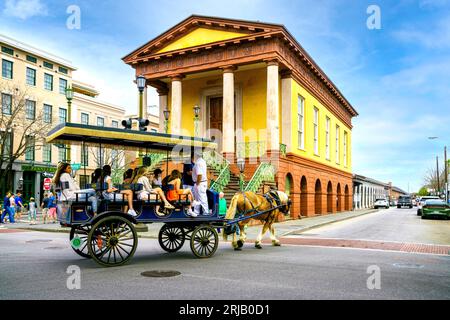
[77,134]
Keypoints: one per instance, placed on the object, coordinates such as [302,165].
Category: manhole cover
[160,274]
[54,248]
[38,241]
[408,265]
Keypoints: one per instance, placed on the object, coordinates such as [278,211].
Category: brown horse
[250,203]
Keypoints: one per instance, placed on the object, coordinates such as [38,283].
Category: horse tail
[231,212]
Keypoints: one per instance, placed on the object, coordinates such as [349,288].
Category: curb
[301,230]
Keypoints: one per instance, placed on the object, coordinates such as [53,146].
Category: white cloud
[432,35]
[24,9]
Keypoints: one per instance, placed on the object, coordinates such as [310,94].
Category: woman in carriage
[69,188]
[147,191]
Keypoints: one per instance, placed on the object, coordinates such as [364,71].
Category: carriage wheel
[112,241]
[80,246]
[204,241]
[170,238]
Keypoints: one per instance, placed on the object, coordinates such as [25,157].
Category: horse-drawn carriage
[110,237]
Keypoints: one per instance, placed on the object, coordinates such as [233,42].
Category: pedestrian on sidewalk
[32,211]
[52,207]
[7,208]
[19,205]
[44,206]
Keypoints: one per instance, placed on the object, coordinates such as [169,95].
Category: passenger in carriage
[174,193]
[147,191]
[73,191]
[128,176]
[110,191]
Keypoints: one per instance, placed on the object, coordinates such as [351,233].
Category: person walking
[7,208]
[32,211]
[18,205]
[44,206]
[200,178]
[51,207]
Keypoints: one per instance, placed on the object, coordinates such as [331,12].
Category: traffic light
[143,123]
[127,123]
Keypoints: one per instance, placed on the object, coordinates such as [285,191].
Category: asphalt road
[388,225]
[38,269]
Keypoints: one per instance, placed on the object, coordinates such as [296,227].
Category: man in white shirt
[200,178]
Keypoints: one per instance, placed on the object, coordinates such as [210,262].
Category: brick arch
[339,200]
[347,197]
[289,184]
[318,197]
[329,197]
[304,196]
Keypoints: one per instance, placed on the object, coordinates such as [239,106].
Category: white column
[163,99]
[286,109]
[273,130]
[228,126]
[177,104]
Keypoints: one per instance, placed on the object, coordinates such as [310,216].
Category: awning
[77,134]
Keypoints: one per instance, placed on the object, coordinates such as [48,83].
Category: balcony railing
[253,149]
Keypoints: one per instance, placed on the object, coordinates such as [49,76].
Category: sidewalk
[282,228]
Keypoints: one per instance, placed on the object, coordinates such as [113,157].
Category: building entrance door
[216,113]
[216,119]
[28,185]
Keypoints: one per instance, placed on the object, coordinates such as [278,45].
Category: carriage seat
[183,199]
[80,201]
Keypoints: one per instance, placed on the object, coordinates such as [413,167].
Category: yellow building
[262,98]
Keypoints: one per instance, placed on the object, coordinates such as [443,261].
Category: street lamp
[241,166]
[141,83]
[69,97]
[196,119]
[166,120]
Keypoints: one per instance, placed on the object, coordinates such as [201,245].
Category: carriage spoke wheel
[170,238]
[204,241]
[82,233]
[112,241]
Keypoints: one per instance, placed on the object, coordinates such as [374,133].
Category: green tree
[423,192]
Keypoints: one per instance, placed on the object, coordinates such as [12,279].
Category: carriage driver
[200,178]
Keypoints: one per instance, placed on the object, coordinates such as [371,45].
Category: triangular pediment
[201,36]
[197,31]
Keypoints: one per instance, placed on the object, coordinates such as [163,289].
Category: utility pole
[446,174]
[437,174]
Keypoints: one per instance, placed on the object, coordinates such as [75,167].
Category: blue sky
[398,77]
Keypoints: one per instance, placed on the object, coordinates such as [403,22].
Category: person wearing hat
[200,178]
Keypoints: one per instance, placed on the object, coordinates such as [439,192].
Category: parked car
[381,203]
[422,201]
[435,209]
[404,201]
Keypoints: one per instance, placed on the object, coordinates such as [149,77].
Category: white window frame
[327,138]
[345,148]
[338,147]
[301,122]
[316,131]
